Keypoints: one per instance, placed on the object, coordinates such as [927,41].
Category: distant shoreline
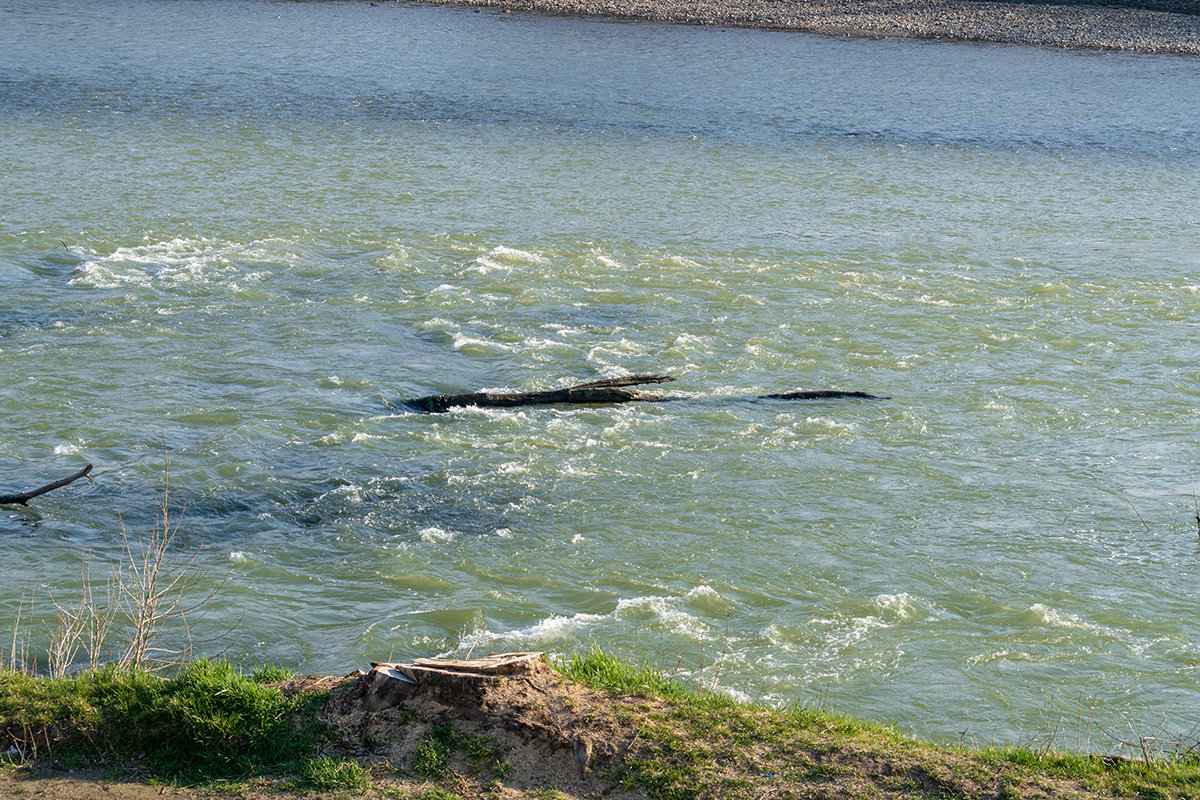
[1139,26]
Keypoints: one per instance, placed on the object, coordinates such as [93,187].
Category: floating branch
[24,497]
[612,390]
[606,391]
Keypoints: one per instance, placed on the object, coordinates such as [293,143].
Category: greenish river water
[250,230]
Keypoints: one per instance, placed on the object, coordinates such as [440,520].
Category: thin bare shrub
[142,617]
[18,656]
[158,587]
[84,625]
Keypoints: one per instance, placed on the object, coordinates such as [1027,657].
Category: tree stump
[446,679]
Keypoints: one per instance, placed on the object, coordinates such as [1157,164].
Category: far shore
[1140,26]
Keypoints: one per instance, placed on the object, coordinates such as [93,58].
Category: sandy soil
[86,785]
[1145,26]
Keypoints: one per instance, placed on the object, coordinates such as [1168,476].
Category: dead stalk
[151,589]
[1196,508]
[18,648]
[1131,505]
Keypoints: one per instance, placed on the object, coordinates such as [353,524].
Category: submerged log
[610,390]
[820,394]
[23,498]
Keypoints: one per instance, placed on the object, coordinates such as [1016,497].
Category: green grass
[431,759]
[602,670]
[707,745]
[210,723]
[1168,777]
[269,673]
[327,774]
[207,722]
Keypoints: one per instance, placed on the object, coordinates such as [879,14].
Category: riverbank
[1142,27]
[505,727]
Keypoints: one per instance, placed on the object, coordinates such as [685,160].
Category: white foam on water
[504,258]
[681,261]
[238,557]
[987,658]
[843,633]
[546,632]
[1044,614]
[478,346]
[737,694]
[668,615]
[709,601]
[537,344]
[831,424]
[434,534]
[901,606]
[617,354]
[563,330]
[549,629]
[351,492]
[777,638]
[176,262]
[437,323]
[934,301]
[66,448]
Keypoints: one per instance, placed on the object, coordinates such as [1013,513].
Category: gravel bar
[1142,26]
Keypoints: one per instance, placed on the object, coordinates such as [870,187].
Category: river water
[249,230]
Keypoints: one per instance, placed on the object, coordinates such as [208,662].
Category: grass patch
[269,673]
[432,758]
[702,744]
[430,761]
[207,722]
[327,774]
[602,670]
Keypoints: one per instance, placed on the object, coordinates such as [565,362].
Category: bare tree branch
[23,498]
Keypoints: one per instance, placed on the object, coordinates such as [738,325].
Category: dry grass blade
[1125,497]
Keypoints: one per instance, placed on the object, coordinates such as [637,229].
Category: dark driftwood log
[612,390]
[606,391]
[24,497]
[820,394]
